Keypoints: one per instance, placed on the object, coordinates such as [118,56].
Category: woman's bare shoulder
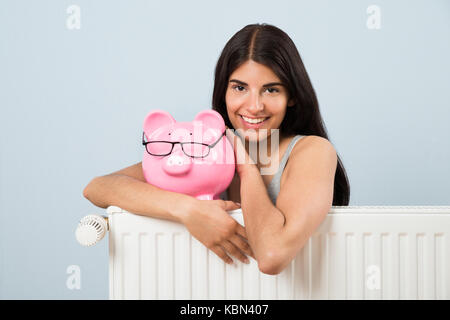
[310,141]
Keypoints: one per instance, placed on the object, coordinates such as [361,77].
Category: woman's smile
[253,123]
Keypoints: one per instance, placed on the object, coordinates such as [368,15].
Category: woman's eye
[276,90]
[237,87]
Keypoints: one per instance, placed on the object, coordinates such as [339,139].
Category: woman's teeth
[253,120]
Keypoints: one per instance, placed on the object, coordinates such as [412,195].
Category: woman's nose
[255,103]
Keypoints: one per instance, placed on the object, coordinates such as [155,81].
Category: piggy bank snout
[177,163]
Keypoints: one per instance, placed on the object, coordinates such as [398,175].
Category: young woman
[261,85]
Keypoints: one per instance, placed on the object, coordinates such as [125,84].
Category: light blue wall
[73,102]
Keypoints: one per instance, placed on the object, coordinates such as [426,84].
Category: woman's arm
[129,190]
[207,220]
[277,233]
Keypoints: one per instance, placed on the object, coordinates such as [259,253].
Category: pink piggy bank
[193,158]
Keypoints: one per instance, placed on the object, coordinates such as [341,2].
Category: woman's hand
[243,160]
[209,222]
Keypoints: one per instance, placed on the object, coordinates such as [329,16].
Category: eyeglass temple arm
[212,145]
[143,140]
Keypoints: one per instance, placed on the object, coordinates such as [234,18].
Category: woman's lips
[252,125]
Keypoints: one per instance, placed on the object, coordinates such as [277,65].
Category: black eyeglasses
[191,149]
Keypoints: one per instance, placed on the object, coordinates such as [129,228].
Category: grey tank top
[273,188]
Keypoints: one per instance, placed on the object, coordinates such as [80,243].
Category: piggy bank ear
[211,119]
[157,120]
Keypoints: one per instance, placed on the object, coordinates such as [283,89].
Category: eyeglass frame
[210,146]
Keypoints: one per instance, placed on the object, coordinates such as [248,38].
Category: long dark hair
[272,47]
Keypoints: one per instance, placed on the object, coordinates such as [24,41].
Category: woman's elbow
[85,192]
[87,189]
[273,263]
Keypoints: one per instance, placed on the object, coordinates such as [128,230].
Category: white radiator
[356,253]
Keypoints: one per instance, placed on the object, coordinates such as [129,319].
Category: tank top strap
[285,158]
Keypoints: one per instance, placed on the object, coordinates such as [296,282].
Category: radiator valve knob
[91,229]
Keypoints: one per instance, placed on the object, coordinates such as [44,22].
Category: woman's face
[254,94]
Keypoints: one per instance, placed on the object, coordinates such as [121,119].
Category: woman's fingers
[211,224]
[241,241]
[240,230]
[231,205]
[241,155]
[242,245]
[236,143]
[227,247]
[233,250]
[220,252]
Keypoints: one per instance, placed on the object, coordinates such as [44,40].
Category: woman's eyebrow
[270,84]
